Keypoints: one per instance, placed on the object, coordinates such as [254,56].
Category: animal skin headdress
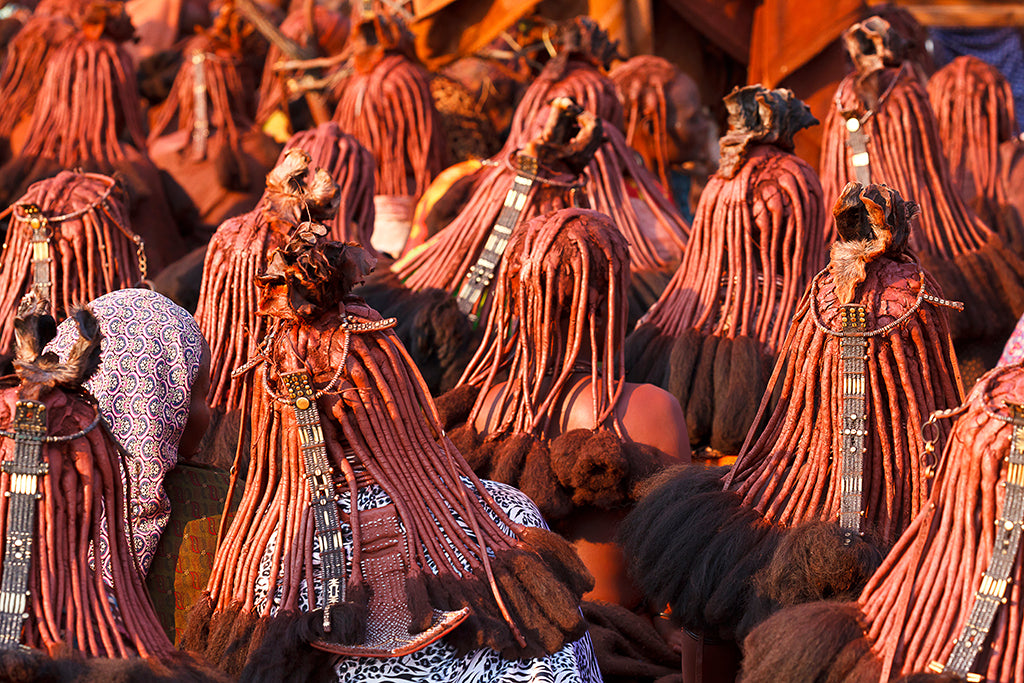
[238,252]
[48,423]
[760,116]
[873,45]
[517,589]
[352,166]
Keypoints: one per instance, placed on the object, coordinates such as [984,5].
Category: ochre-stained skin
[92,253]
[379,412]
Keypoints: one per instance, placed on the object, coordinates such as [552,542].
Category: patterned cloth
[1013,352]
[574,663]
[1001,47]
[149,357]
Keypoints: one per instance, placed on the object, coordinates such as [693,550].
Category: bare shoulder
[652,416]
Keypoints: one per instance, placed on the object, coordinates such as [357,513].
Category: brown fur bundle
[390,111]
[627,647]
[965,256]
[238,253]
[23,67]
[219,160]
[755,240]
[973,106]
[87,116]
[351,166]
[915,606]
[788,476]
[328,31]
[523,585]
[445,258]
[91,245]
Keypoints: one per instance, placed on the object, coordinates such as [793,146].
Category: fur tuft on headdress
[34,327]
[871,221]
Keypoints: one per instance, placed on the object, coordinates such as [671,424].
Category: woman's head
[558,306]
[152,361]
[573,258]
[665,121]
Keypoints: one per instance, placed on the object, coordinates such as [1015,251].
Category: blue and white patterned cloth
[574,663]
[1002,48]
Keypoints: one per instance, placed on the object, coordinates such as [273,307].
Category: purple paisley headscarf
[149,357]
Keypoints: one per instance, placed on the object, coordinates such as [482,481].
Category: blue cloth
[680,189]
[1003,48]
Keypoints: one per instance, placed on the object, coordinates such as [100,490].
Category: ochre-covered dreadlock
[92,248]
[576,71]
[973,106]
[558,314]
[643,83]
[444,260]
[524,343]
[886,100]
[386,102]
[23,67]
[521,585]
[351,166]
[725,547]
[328,33]
[917,605]
[70,610]
[238,252]
[87,116]
[208,145]
[712,336]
